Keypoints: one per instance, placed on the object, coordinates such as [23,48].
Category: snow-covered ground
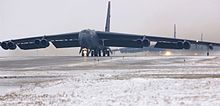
[142,81]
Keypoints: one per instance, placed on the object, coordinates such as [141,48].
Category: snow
[105,83]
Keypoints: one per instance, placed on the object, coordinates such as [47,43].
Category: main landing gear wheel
[92,53]
[108,53]
[95,53]
[100,53]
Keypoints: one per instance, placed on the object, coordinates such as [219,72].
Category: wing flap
[28,46]
[122,43]
[116,36]
[66,44]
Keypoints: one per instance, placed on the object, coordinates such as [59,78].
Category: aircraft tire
[92,53]
[95,53]
[108,53]
[100,53]
[82,54]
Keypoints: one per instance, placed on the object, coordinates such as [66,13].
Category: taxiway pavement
[145,80]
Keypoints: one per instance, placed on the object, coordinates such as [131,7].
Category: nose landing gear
[85,52]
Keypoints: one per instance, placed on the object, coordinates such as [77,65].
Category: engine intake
[144,42]
[8,45]
[37,41]
[42,43]
[45,43]
[180,44]
[4,45]
[12,45]
[186,45]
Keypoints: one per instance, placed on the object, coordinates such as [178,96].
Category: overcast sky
[28,18]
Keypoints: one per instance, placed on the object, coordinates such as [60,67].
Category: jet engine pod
[5,45]
[42,43]
[211,47]
[37,41]
[12,45]
[139,42]
[179,44]
[186,45]
[146,43]
[45,43]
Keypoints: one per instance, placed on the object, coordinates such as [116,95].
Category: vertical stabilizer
[201,36]
[174,31]
[107,25]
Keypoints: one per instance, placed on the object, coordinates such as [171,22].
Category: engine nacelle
[211,47]
[37,41]
[139,42]
[174,45]
[42,43]
[45,43]
[146,43]
[179,44]
[8,45]
[12,45]
[186,45]
[4,45]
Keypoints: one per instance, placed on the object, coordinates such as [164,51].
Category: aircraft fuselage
[89,41]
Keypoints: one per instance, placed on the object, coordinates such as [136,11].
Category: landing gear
[209,48]
[92,53]
[82,54]
[207,53]
[106,52]
[100,53]
[85,52]
[95,53]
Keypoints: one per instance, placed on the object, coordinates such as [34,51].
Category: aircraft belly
[89,39]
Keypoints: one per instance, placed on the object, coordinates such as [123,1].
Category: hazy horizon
[27,18]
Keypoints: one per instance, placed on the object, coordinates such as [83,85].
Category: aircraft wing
[59,41]
[133,40]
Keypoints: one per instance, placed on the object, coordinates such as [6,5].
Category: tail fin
[201,36]
[107,25]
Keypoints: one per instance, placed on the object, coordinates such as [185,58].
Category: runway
[145,80]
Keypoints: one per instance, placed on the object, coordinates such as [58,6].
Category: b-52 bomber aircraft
[98,43]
